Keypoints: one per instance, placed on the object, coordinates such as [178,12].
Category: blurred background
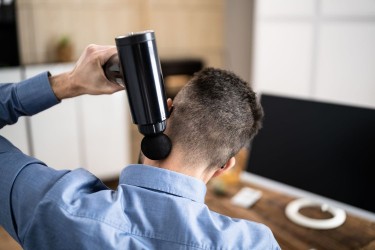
[320,50]
[49,35]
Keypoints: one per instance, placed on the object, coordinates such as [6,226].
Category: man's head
[215,115]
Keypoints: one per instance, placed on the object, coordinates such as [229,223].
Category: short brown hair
[215,115]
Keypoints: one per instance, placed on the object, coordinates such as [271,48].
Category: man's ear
[169,104]
[228,165]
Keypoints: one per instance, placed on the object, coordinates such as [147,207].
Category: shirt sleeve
[23,180]
[25,98]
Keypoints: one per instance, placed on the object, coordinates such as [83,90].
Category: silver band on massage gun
[137,66]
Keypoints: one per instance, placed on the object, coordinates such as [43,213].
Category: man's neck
[175,163]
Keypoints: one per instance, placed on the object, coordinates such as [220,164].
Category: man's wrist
[60,86]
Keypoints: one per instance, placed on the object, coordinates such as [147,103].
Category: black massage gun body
[137,67]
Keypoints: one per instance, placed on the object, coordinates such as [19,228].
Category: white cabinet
[104,124]
[345,67]
[348,8]
[55,138]
[321,50]
[10,74]
[16,133]
[282,58]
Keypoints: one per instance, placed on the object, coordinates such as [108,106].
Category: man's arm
[25,98]
[43,91]
[87,77]
[24,181]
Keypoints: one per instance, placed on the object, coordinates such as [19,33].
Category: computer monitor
[323,148]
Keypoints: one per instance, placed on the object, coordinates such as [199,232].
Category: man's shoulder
[241,232]
[227,222]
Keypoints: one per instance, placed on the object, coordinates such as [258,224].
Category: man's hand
[87,77]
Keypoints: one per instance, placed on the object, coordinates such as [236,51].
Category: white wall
[317,49]
[238,37]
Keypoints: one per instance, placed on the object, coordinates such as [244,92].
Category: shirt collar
[165,181]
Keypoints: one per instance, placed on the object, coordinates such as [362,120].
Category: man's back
[151,209]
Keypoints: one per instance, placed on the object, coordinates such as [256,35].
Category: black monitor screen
[323,148]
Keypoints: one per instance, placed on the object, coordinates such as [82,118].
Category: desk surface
[355,233]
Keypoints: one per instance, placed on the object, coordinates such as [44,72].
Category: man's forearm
[25,98]
[9,112]
[43,91]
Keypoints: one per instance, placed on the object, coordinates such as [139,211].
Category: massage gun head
[139,67]
[156,147]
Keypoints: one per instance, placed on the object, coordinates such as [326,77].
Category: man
[157,205]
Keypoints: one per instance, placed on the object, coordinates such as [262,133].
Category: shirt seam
[22,108]
[160,189]
[197,198]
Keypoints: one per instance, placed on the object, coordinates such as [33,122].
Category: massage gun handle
[112,70]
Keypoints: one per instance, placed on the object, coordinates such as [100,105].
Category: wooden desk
[7,242]
[355,233]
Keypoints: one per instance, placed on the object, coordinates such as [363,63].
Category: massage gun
[137,67]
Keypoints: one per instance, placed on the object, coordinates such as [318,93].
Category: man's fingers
[100,52]
[105,53]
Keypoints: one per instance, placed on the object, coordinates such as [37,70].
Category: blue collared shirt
[152,208]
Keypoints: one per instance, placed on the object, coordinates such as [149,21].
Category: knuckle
[91,48]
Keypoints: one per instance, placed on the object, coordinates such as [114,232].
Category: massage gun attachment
[137,67]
